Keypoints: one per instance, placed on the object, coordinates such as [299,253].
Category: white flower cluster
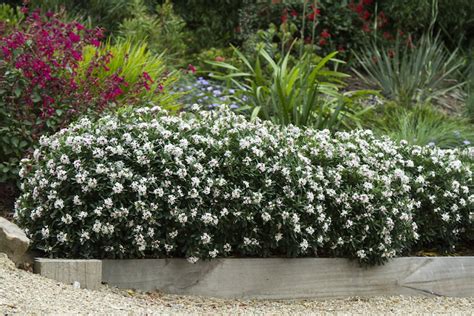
[145,184]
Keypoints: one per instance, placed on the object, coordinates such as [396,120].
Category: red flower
[191,68]
[322,42]
[366,15]
[293,13]
[313,14]
[284,16]
[360,8]
[325,34]
[368,2]
[366,28]
[220,58]
[391,53]
[341,49]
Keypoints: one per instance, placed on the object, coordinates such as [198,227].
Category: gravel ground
[22,292]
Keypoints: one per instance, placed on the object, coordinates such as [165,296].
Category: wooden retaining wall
[295,278]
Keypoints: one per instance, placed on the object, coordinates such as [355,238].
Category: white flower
[304,245]
[62,237]
[117,188]
[64,159]
[77,200]
[45,232]
[182,218]
[108,203]
[205,238]
[67,219]
[227,247]
[224,212]
[97,226]
[59,204]
[445,217]
[208,218]
[213,253]
[278,237]
[266,217]
[85,235]
[82,215]
[361,254]
[192,259]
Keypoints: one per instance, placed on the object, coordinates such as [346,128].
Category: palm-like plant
[306,93]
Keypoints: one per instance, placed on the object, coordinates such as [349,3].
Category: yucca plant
[304,94]
[410,74]
[130,61]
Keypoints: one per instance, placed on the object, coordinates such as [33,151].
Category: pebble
[22,292]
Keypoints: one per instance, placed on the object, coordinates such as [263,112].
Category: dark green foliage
[213,22]
[453,18]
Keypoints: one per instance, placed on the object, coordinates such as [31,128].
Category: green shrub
[453,19]
[306,93]
[212,23]
[164,31]
[424,125]
[106,14]
[144,184]
[410,74]
[320,26]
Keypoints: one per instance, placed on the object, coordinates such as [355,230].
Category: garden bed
[277,278]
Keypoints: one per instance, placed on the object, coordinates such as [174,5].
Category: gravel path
[22,292]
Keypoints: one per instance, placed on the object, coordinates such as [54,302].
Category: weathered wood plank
[295,278]
[87,272]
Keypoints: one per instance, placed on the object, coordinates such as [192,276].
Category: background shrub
[144,184]
[163,30]
[422,125]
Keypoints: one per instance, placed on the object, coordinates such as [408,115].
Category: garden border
[279,278]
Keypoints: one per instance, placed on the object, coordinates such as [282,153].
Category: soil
[8,195]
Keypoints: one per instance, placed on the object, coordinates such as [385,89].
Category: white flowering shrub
[442,184]
[145,184]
